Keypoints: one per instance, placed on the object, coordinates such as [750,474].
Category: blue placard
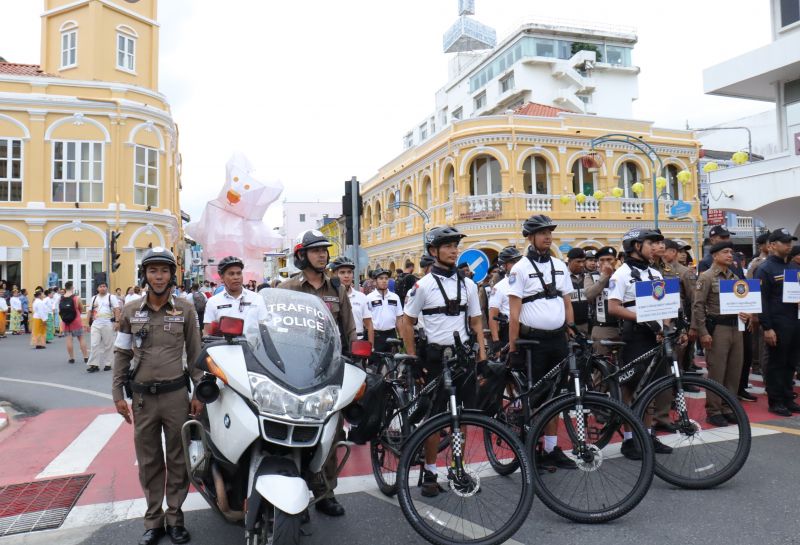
[791,287]
[680,208]
[657,299]
[737,296]
[478,263]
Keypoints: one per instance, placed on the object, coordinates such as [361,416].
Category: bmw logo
[227,421]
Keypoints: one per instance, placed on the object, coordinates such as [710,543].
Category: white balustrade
[632,206]
[538,203]
[590,205]
[482,206]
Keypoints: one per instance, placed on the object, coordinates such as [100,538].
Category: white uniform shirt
[103,308]
[52,303]
[439,328]
[622,285]
[358,302]
[56,301]
[16,303]
[498,297]
[544,314]
[223,304]
[132,297]
[3,305]
[41,309]
[385,309]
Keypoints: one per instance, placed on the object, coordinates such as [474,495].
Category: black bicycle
[703,455]
[474,504]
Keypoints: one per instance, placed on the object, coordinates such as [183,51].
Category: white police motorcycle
[274,388]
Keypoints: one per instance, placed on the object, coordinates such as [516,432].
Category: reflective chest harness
[451,307]
[549,290]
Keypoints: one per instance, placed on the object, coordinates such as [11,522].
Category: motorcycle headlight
[273,399]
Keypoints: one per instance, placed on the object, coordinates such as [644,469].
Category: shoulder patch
[512,278]
[699,285]
[494,290]
[612,284]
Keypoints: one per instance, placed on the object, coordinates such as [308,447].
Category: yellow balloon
[638,188]
[684,176]
[599,195]
[661,183]
[617,192]
[564,199]
[740,157]
[581,198]
[710,167]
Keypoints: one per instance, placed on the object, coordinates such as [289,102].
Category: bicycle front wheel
[589,477]
[465,500]
[703,455]
[385,449]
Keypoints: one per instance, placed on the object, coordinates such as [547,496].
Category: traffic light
[113,250]
[347,211]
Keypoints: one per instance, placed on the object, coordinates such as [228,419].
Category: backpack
[199,302]
[66,309]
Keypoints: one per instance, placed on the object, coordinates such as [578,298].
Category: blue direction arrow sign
[564,248]
[478,263]
[679,209]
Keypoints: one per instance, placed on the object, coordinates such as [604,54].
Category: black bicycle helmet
[639,235]
[227,262]
[537,223]
[340,262]
[442,235]
[158,255]
[426,261]
[378,272]
[508,254]
[309,239]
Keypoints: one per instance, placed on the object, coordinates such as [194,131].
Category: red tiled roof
[22,69]
[538,110]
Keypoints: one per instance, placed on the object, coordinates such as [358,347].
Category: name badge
[173,319]
[225,306]
[559,272]
[535,275]
[138,320]
[392,302]
[377,303]
[330,299]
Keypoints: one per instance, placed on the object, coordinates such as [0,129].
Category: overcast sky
[315,91]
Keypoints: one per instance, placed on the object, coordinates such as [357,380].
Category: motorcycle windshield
[295,339]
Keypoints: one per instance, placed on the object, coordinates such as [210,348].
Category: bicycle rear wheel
[510,413]
[385,449]
[605,485]
[703,455]
[472,504]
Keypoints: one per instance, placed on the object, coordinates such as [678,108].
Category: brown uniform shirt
[337,300]
[159,355]
[686,277]
[706,296]
[751,270]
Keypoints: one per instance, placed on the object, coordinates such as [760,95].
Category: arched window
[378,214]
[426,198]
[408,196]
[583,181]
[69,44]
[390,208]
[536,175]
[449,181]
[628,175]
[673,185]
[367,219]
[484,176]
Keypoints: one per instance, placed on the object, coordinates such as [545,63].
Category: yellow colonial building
[486,174]
[88,147]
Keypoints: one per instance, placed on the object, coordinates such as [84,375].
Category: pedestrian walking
[153,334]
[70,310]
[39,321]
[23,298]
[3,313]
[16,312]
[104,311]
[56,318]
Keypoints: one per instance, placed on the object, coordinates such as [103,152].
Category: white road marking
[77,457]
[61,386]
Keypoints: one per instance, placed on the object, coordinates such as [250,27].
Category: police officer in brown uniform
[719,334]
[595,285]
[311,257]
[671,267]
[576,258]
[153,333]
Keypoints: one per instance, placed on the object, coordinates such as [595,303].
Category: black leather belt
[531,333]
[724,319]
[629,304]
[155,388]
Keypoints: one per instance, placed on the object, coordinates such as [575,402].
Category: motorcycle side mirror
[231,327]
[361,349]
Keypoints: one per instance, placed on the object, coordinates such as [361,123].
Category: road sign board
[680,208]
[478,263]
[716,216]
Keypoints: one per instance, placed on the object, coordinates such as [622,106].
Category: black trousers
[638,340]
[782,360]
[550,352]
[380,340]
[747,362]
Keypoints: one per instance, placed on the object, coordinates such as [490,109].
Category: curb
[3,418]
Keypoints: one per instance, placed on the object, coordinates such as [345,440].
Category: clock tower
[107,40]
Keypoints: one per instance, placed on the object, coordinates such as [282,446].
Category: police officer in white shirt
[386,309]
[344,269]
[234,300]
[541,310]
[449,304]
[498,299]
[639,248]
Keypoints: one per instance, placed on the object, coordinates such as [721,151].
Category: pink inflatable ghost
[232,223]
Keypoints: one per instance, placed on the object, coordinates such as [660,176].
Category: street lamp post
[644,147]
[424,215]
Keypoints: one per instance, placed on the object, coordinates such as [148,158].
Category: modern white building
[768,189]
[579,67]
[302,216]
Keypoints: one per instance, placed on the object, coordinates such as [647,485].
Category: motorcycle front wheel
[278,529]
